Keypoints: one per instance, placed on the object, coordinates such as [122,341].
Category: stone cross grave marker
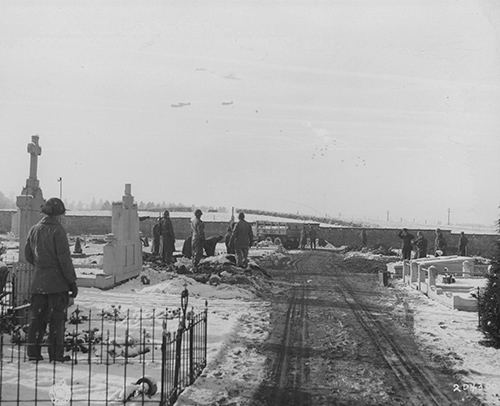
[30,201]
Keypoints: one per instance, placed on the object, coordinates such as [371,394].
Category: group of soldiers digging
[419,244]
[238,239]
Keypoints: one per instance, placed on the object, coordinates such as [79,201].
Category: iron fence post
[191,349]
[163,362]
[478,309]
[1,365]
[205,334]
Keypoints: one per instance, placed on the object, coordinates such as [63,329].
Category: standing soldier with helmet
[197,237]
[406,243]
[242,237]
[54,281]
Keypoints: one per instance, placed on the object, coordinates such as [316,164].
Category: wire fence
[114,356]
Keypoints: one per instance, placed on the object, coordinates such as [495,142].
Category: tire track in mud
[304,371]
[289,372]
[417,382]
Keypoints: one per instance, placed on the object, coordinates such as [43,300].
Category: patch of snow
[454,334]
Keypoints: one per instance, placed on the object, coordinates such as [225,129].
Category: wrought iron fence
[184,353]
[114,356]
[15,280]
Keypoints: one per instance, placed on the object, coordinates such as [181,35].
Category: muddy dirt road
[339,339]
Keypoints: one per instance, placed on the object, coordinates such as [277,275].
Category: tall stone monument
[30,200]
[123,252]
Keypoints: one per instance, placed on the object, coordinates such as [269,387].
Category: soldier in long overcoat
[242,238]
[197,237]
[462,244]
[167,238]
[54,281]
[406,238]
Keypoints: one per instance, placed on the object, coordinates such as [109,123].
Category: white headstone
[123,252]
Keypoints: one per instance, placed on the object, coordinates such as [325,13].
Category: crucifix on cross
[34,150]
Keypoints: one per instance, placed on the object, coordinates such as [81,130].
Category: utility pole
[387,215]
[60,187]
[449,215]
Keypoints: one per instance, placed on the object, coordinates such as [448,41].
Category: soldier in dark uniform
[462,244]
[197,237]
[167,238]
[155,248]
[242,238]
[406,243]
[440,243]
[420,244]
[364,238]
[54,281]
[303,237]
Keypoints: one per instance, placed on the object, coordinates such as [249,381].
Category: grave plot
[453,281]
[122,253]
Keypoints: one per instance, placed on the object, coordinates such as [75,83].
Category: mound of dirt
[358,262]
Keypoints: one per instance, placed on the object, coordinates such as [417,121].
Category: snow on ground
[232,312]
[234,316]
[452,335]
[238,369]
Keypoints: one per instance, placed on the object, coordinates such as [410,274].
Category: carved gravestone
[29,205]
[30,200]
[123,251]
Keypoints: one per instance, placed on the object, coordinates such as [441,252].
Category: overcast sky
[336,106]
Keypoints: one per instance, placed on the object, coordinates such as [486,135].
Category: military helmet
[53,207]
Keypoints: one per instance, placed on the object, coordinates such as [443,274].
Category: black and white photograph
[249,202]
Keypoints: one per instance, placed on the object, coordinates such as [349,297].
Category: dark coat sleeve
[250,235]
[64,255]
[28,252]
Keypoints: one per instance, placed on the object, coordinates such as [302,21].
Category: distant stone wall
[77,225]
[101,225]
[6,220]
[479,244]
